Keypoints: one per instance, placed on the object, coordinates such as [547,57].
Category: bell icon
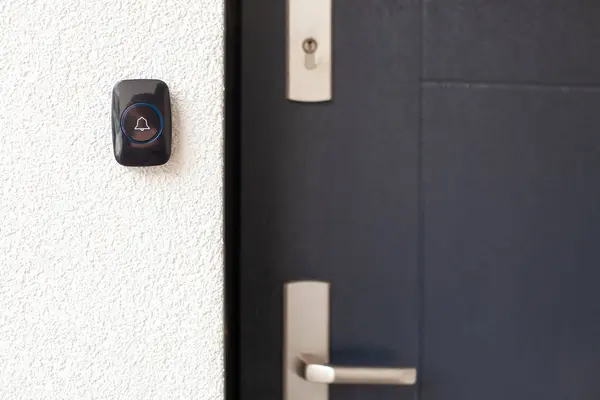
[141,124]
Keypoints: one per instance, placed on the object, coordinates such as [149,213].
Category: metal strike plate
[309,50]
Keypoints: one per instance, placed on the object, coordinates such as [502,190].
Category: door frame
[231,196]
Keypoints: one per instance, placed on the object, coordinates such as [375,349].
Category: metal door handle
[315,371]
[307,372]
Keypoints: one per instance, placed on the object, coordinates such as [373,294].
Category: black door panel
[511,240]
[543,41]
[450,193]
[329,192]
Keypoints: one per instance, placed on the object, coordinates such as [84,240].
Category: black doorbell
[141,122]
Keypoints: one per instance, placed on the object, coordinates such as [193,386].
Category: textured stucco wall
[110,277]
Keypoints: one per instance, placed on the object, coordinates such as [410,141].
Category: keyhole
[310,47]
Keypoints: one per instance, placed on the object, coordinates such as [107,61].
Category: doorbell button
[141,122]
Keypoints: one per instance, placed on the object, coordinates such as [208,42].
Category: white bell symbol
[141,124]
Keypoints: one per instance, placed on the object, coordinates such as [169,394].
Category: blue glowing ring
[153,138]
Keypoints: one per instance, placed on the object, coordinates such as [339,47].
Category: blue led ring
[160,128]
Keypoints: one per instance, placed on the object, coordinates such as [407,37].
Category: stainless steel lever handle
[307,372]
[315,371]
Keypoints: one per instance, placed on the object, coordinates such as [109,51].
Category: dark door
[450,193]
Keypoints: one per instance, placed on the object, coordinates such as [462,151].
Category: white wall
[110,277]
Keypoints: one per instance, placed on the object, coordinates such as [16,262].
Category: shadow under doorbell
[141,122]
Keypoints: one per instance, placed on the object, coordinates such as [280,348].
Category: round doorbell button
[141,122]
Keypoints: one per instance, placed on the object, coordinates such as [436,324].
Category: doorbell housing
[141,122]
